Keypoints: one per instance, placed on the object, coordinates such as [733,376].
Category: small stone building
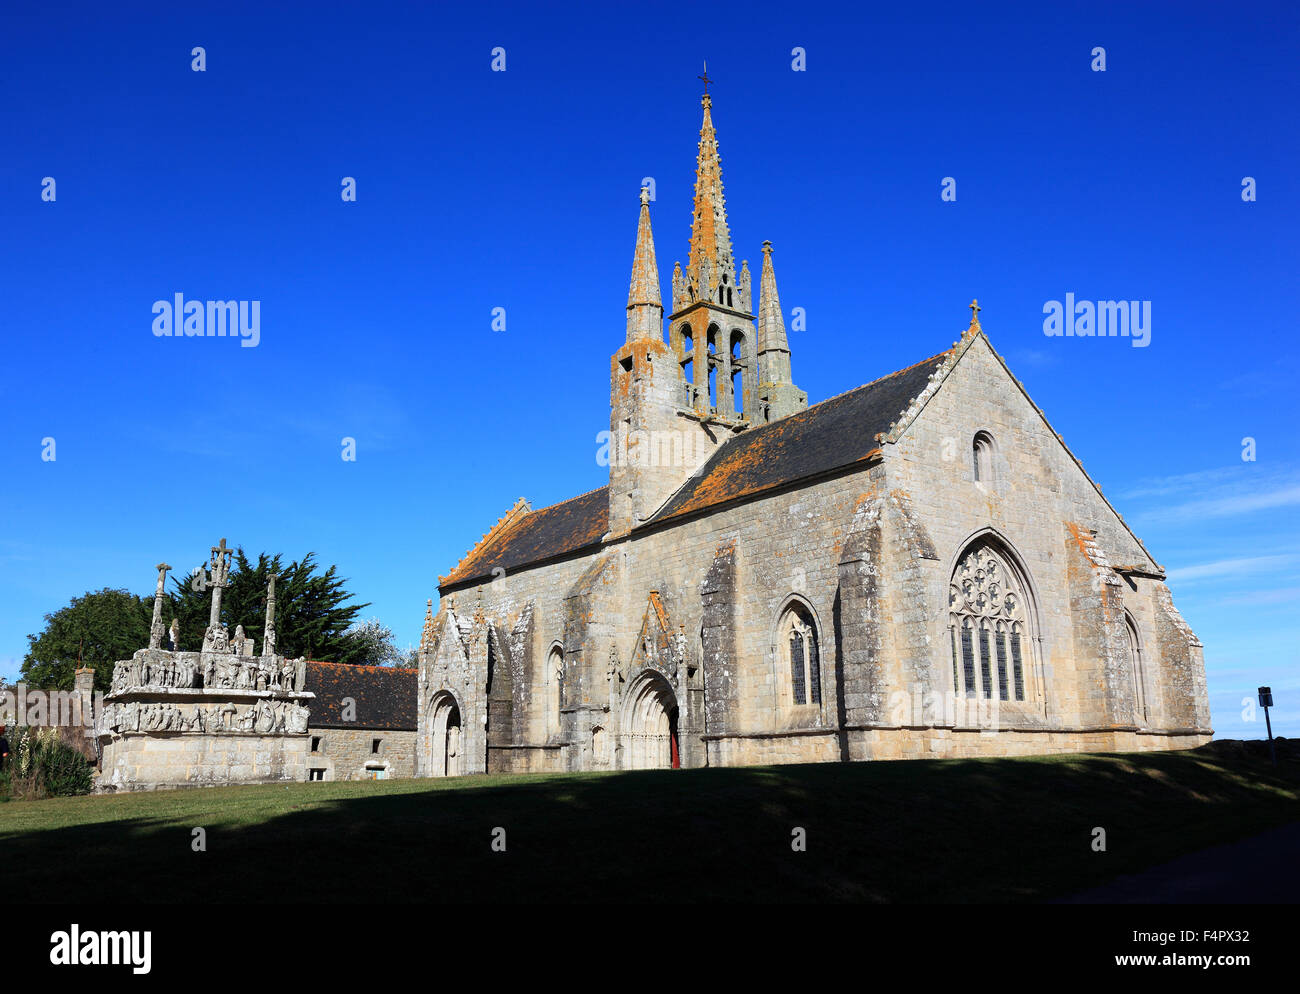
[363,722]
[917,567]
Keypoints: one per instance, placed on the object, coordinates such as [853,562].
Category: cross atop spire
[706,79]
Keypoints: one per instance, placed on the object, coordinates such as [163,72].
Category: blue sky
[518,189]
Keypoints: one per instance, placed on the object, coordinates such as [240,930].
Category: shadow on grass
[942,830]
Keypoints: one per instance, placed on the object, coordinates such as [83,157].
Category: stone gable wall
[1062,529]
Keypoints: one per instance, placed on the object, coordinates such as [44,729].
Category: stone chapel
[918,567]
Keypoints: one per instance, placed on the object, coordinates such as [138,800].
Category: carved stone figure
[216,639]
[265,722]
[298,717]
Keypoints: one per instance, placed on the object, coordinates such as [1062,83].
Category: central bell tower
[736,372]
[672,405]
[711,327]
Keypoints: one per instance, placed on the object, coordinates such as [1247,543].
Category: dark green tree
[96,628]
[312,615]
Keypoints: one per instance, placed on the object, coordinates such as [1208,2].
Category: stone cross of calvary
[218,579]
[156,628]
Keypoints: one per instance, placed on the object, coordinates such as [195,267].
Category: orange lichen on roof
[535,535]
[502,526]
[828,435]
[362,668]
[841,431]
[373,697]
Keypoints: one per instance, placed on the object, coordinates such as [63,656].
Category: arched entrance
[650,725]
[444,737]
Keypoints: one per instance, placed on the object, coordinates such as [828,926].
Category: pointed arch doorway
[445,742]
[650,725]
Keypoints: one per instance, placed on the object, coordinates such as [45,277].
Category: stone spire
[777,388]
[427,635]
[711,328]
[773,347]
[645,308]
[710,269]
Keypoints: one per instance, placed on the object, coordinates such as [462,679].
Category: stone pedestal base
[151,762]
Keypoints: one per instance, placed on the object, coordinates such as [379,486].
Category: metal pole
[1272,750]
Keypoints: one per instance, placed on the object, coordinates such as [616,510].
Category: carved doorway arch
[445,737]
[650,724]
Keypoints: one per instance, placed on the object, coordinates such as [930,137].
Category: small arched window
[982,457]
[713,360]
[687,340]
[1135,664]
[553,675]
[799,652]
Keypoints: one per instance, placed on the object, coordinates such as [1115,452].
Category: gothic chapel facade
[918,567]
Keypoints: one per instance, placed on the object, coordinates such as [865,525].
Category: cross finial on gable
[975,313]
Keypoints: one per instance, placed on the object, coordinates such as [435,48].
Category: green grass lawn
[940,830]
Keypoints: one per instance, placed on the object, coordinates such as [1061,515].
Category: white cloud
[1231,567]
[1216,493]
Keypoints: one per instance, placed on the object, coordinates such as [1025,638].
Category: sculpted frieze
[260,718]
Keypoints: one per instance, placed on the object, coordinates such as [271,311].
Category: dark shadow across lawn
[933,831]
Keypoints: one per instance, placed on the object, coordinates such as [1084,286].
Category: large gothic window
[798,648]
[987,627]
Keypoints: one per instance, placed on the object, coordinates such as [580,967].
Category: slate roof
[549,531]
[831,435]
[827,436]
[385,696]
